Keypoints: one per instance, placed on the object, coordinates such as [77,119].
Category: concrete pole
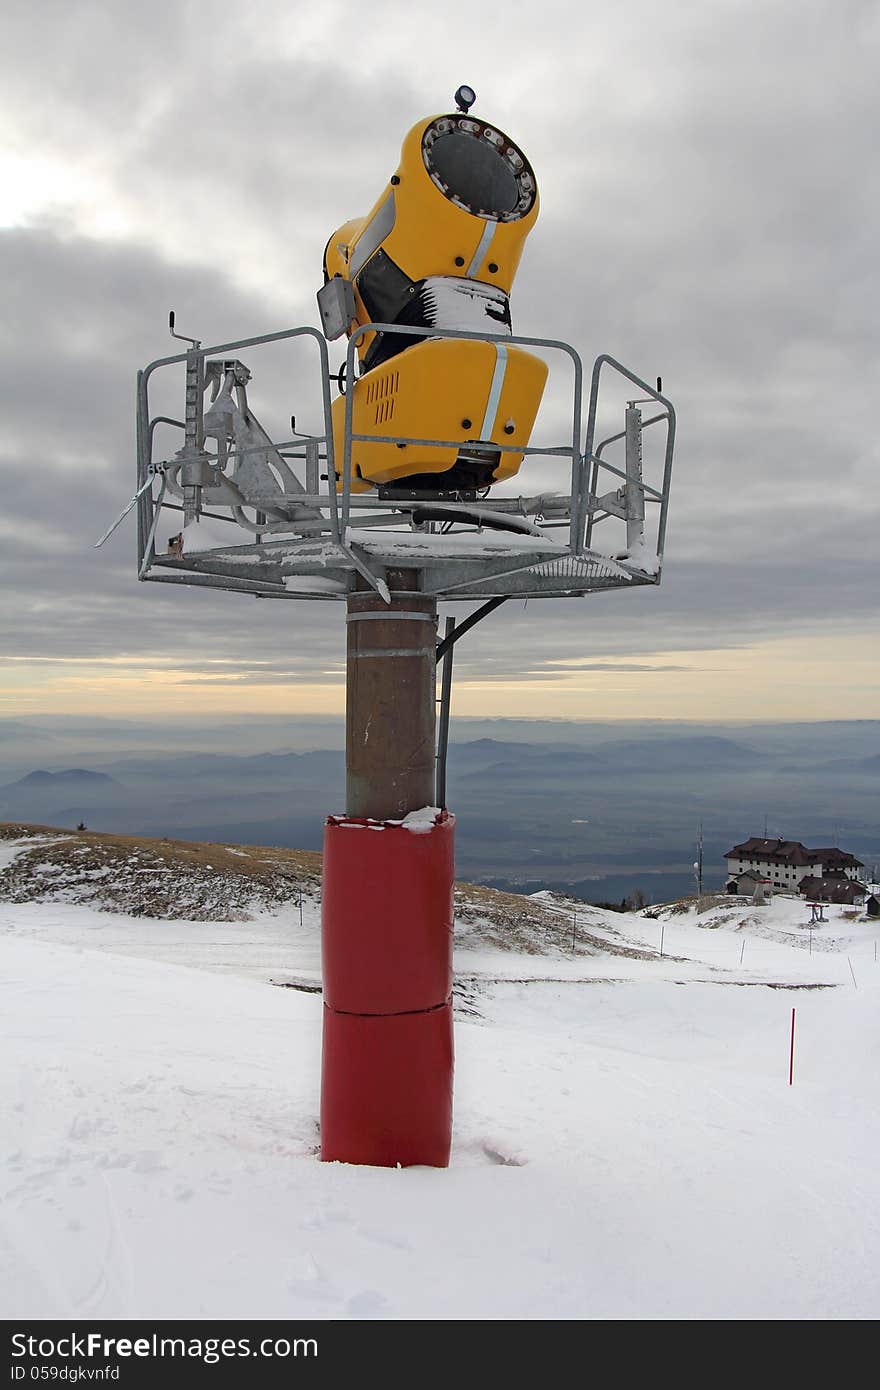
[390,699]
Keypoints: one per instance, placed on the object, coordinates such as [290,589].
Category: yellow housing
[453,389]
[424,232]
[438,251]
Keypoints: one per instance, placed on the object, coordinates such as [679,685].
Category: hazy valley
[597,810]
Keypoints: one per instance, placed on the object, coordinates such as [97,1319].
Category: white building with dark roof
[785,863]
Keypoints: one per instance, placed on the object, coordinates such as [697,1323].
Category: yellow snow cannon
[439,250]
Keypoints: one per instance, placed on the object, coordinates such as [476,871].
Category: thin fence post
[791,1053]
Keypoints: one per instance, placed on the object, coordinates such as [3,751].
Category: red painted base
[386,1093]
[386,1086]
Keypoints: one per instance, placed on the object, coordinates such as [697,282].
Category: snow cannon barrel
[439,249]
[386,1090]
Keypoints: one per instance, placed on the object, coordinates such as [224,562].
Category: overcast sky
[709,212]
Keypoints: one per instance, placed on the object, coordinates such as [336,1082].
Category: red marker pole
[791,1053]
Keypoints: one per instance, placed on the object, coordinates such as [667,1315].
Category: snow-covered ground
[627,1145]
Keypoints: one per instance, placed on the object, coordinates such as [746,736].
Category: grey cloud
[567,664]
[712,219]
[742,575]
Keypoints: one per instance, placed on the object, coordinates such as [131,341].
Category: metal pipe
[483,612]
[144,455]
[634,495]
[390,700]
[445,701]
[621,473]
[667,478]
[613,438]
[312,479]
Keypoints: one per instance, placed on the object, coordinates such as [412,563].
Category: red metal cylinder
[386,1090]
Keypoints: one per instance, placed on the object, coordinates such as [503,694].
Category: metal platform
[294,534]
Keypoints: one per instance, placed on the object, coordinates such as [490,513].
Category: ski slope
[626,1144]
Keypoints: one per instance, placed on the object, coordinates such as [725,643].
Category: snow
[421,822]
[468,306]
[641,556]
[388,545]
[313,584]
[204,533]
[391,546]
[626,1142]
[10,849]
[467,544]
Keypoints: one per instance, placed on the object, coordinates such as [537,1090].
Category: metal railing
[335,506]
[588,509]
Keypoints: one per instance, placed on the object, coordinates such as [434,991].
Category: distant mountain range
[77,777]
[588,811]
